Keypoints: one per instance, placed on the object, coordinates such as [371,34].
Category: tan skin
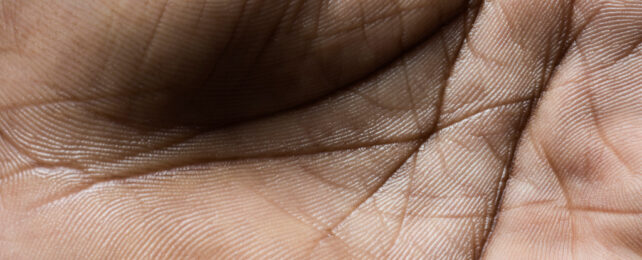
[207,129]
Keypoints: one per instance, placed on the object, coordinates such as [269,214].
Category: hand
[320,129]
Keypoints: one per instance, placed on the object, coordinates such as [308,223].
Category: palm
[302,129]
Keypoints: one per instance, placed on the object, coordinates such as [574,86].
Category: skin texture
[187,129]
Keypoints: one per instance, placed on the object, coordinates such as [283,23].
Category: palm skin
[320,129]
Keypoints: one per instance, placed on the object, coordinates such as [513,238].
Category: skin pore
[305,129]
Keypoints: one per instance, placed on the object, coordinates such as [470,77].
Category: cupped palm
[320,129]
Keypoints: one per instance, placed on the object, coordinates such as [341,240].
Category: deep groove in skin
[469,23]
[568,38]
[188,164]
[229,40]
[378,187]
[150,42]
[201,209]
[419,139]
[196,165]
[347,87]
[277,155]
[472,7]
[272,35]
[434,128]
[564,190]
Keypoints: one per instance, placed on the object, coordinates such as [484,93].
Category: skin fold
[366,129]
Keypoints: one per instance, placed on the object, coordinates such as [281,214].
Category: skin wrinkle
[511,24]
[331,231]
[11,160]
[192,165]
[635,48]
[365,23]
[404,65]
[271,38]
[378,104]
[540,203]
[582,61]
[56,101]
[381,214]
[164,147]
[402,27]
[484,58]
[445,168]
[322,179]
[404,212]
[411,139]
[602,211]
[474,8]
[196,164]
[483,110]
[493,151]
[601,133]
[362,23]
[154,34]
[431,133]
[541,150]
[442,216]
[226,45]
[570,38]
[413,105]
[298,8]
[425,138]
[381,183]
[286,212]
[27,153]
[125,162]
